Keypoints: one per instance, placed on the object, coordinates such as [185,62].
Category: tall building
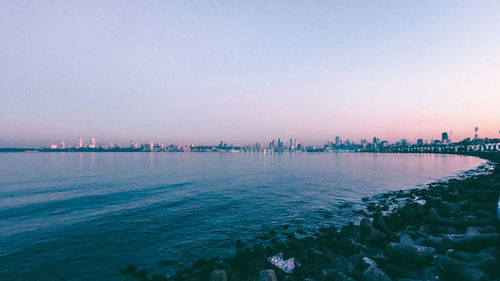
[420,142]
[337,140]
[80,142]
[92,143]
[444,137]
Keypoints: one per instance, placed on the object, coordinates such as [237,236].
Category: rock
[461,255]
[474,274]
[379,223]
[267,275]
[473,243]
[450,267]
[410,252]
[490,265]
[473,230]
[345,247]
[436,242]
[395,271]
[335,275]
[369,235]
[367,262]
[375,274]
[218,275]
[406,239]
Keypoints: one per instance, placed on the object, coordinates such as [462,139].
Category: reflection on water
[85,215]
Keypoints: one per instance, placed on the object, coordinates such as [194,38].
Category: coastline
[448,230]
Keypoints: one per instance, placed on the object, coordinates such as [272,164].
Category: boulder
[375,274]
[267,275]
[218,275]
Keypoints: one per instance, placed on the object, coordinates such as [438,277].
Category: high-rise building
[337,140]
[420,142]
[92,143]
[444,137]
[80,142]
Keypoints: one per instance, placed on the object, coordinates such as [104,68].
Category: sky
[247,71]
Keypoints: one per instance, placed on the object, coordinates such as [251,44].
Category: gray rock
[462,256]
[375,274]
[474,274]
[436,242]
[410,252]
[473,243]
[448,265]
[336,275]
[218,275]
[473,230]
[406,239]
[267,275]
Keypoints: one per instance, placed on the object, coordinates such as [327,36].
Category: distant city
[443,144]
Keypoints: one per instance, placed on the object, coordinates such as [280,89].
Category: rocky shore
[447,231]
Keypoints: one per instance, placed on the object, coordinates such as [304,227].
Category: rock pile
[448,231]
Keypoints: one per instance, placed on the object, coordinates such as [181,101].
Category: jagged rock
[410,252]
[375,274]
[267,275]
[474,274]
[490,265]
[436,242]
[218,275]
[448,266]
[395,271]
[473,243]
[369,235]
[379,223]
[462,256]
[367,262]
[335,275]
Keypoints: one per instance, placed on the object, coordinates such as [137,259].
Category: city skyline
[291,142]
[197,72]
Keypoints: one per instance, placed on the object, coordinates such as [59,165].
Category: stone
[448,265]
[474,243]
[218,275]
[410,252]
[461,255]
[474,274]
[267,275]
[375,274]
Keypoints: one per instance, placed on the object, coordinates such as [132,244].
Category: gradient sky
[247,71]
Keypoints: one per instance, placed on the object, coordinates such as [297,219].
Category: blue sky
[247,71]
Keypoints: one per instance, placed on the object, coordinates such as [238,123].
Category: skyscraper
[80,142]
[444,137]
[92,143]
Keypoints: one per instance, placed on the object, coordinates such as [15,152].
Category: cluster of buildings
[444,144]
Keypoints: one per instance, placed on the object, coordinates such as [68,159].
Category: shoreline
[447,230]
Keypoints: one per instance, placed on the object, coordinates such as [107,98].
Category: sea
[84,216]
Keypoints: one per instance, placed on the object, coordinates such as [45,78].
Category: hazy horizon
[244,72]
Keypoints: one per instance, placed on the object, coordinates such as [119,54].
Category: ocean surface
[84,216]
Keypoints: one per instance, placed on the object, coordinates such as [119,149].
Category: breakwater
[446,231]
